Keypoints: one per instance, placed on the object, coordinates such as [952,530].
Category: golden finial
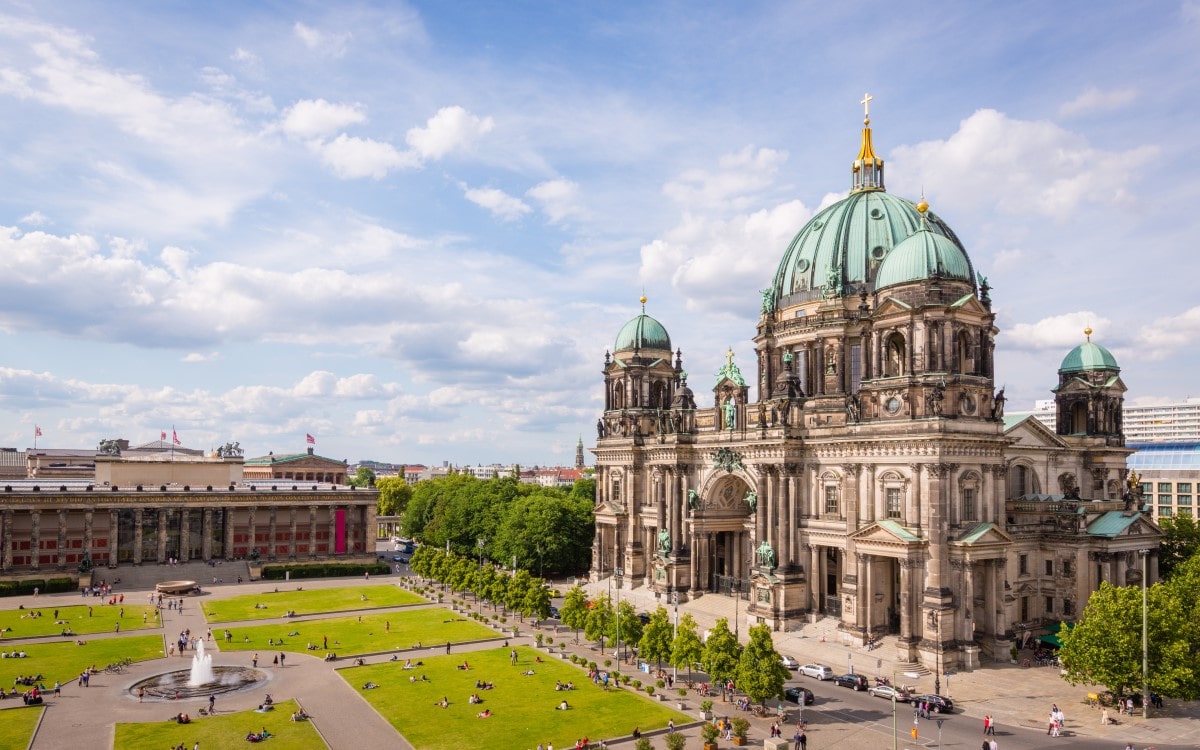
[1088,332]
[729,356]
[922,206]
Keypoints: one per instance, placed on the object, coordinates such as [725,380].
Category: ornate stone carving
[852,469]
[727,459]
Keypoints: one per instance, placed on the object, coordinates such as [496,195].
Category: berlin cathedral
[865,470]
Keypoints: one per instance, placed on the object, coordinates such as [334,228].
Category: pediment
[1030,433]
[982,535]
[886,534]
[891,306]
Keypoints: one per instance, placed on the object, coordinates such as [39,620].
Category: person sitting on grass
[528,672]
[301,715]
[474,698]
[463,667]
[369,685]
[562,706]
[443,703]
[484,714]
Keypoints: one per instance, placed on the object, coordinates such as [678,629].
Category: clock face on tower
[968,404]
[892,405]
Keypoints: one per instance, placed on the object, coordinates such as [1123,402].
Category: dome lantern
[867,172]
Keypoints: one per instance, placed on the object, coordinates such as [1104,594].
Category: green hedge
[23,588]
[324,570]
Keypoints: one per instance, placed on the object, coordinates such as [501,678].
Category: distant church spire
[867,173]
[579,453]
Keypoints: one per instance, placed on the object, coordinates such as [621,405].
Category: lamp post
[675,633]
[1145,553]
[617,573]
[936,622]
[479,543]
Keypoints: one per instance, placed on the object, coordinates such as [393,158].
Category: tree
[394,494]
[628,622]
[364,477]
[599,620]
[536,603]
[686,649]
[656,638]
[721,652]
[760,671]
[1181,540]
[574,611]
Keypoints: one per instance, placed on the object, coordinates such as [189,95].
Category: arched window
[1079,419]
[894,363]
[1022,481]
[962,358]
[618,399]
[968,494]
[657,400]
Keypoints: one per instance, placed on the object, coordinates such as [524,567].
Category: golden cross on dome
[866,102]
[729,356]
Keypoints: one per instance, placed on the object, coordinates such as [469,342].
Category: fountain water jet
[202,667]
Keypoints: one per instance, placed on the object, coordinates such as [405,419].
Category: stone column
[251,529]
[185,534]
[693,554]
[138,514]
[906,598]
[206,532]
[7,534]
[681,493]
[670,490]
[229,524]
[114,523]
[87,534]
[162,535]
[814,578]
[967,610]
[913,513]
[312,532]
[292,532]
[862,593]
[792,501]
[271,533]
[332,529]
[35,539]
[936,578]
[62,539]
[998,587]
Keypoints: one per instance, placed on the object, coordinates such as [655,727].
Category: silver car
[816,671]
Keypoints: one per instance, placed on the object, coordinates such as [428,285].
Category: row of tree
[518,591]
[756,669]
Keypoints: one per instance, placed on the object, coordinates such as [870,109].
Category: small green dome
[643,332]
[1088,356]
[923,256]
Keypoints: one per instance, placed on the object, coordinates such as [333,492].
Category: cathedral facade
[864,471]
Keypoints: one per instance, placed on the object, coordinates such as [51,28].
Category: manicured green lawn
[17,724]
[103,618]
[347,635]
[523,707]
[222,731]
[64,660]
[278,603]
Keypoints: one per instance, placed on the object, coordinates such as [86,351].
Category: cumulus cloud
[451,129]
[739,178]
[322,42]
[500,203]
[1019,166]
[37,219]
[351,157]
[1058,332]
[559,199]
[310,118]
[198,357]
[1093,99]
[1169,335]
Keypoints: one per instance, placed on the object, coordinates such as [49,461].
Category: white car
[789,662]
[817,671]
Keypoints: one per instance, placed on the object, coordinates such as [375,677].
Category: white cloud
[1093,99]
[451,129]
[310,118]
[36,218]
[198,357]
[1058,332]
[738,181]
[559,199]
[329,45]
[351,157]
[500,203]
[1169,335]
[1017,166]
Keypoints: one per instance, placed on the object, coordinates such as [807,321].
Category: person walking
[447,647]
[282,657]
[275,663]
[212,704]
[254,660]
[992,744]
[1104,716]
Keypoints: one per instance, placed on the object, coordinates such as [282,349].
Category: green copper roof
[899,531]
[851,238]
[1112,523]
[924,255]
[1088,356]
[643,332]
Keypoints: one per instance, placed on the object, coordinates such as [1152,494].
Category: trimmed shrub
[323,570]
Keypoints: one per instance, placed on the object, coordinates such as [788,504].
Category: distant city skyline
[412,230]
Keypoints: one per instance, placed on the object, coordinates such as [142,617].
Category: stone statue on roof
[766,555]
[664,542]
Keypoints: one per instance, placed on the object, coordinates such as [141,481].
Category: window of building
[1147,489]
[1164,511]
[1068,608]
[1184,487]
[1183,499]
[1049,605]
[831,499]
[1164,487]
[1024,609]
[968,505]
[1187,512]
[1049,567]
[1023,567]
[1066,568]
[855,367]
[893,503]
[800,367]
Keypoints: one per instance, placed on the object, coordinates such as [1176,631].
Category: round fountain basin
[174,685]
[176,588]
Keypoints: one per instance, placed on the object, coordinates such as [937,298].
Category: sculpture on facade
[730,409]
[231,450]
[933,402]
[599,428]
[664,542]
[998,405]
[109,448]
[728,459]
[693,500]
[768,300]
[766,555]
[853,407]
[752,501]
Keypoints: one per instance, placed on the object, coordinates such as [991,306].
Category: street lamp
[936,622]
[1145,553]
[617,573]
[675,633]
[479,543]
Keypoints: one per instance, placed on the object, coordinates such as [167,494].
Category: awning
[1057,627]
[1051,640]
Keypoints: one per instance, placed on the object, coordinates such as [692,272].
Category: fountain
[202,667]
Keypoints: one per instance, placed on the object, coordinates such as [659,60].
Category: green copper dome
[1088,356]
[847,242]
[924,255]
[643,332]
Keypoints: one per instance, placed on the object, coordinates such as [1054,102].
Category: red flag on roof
[175,437]
[37,431]
[310,439]
[162,435]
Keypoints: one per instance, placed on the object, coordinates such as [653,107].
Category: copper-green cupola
[643,332]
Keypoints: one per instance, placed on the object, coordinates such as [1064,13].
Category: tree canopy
[394,494]
[574,611]
[721,652]
[1181,541]
[656,638]
[760,671]
[687,648]
[364,477]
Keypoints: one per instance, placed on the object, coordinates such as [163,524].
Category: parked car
[855,681]
[644,617]
[794,692]
[789,662]
[937,703]
[401,558]
[888,692]
[817,671]
[554,612]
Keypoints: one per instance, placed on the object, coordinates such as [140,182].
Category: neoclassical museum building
[864,469]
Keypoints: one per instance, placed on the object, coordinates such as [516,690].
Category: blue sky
[412,230]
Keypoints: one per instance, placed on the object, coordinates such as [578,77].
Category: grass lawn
[523,707]
[64,660]
[222,731]
[103,618]
[278,603]
[347,635]
[16,725]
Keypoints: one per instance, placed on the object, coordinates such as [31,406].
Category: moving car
[789,662]
[794,692]
[937,703]
[817,671]
[888,692]
[855,681]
